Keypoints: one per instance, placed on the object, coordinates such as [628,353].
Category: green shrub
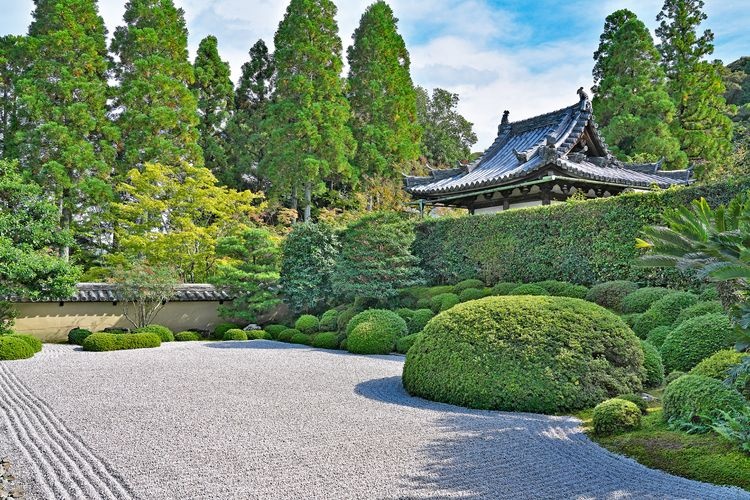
[640,300]
[235,334]
[371,337]
[286,335]
[636,400]
[611,293]
[504,288]
[471,294]
[654,366]
[538,354]
[342,345]
[467,284]
[301,338]
[100,342]
[695,340]
[406,314]
[698,309]
[658,335]
[328,320]
[563,289]
[78,335]
[615,416]
[387,321]
[718,364]
[690,398]
[344,318]
[275,330]
[326,340]
[13,347]
[307,323]
[663,312]
[34,343]
[164,333]
[258,335]
[221,329]
[423,304]
[709,294]
[187,336]
[419,320]
[673,375]
[529,289]
[404,343]
[444,301]
[631,318]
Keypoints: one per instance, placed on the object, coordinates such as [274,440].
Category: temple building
[540,161]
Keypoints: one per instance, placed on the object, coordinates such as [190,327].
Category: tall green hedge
[580,242]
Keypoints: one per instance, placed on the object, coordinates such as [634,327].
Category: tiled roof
[106,292]
[528,145]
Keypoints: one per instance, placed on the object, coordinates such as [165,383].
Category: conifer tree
[214,91]
[12,65]
[448,136]
[158,113]
[612,25]
[66,140]
[382,96]
[701,123]
[309,138]
[632,104]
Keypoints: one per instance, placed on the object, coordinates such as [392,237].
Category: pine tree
[214,91]
[612,25]
[247,140]
[632,104]
[448,136]
[309,138]
[158,113]
[382,96]
[695,85]
[66,140]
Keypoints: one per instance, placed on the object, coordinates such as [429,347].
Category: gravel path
[268,420]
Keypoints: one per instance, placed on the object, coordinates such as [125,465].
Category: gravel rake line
[73,465]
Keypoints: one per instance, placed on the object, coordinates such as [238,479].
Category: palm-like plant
[712,243]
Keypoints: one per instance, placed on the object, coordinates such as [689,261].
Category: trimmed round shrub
[471,294]
[187,336]
[328,320]
[371,337]
[610,293]
[13,347]
[535,354]
[658,335]
[654,366]
[387,321]
[406,314]
[419,320]
[631,318]
[504,288]
[673,375]
[344,318]
[718,364]
[307,323]
[695,340]
[529,289]
[235,334]
[301,338]
[615,416]
[467,284]
[563,289]
[78,335]
[258,335]
[404,343]
[287,334]
[640,300]
[100,342]
[636,400]
[698,309]
[275,330]
[710,293]
[34,343]
[423,304]
[663,312]
[444,301]
[221,329]
[326,340]
[342,345]
[164,333]
[690,397]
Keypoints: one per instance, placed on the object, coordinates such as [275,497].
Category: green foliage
[709,294]
[301,338]
[611,293]
[718,364]
[444,301]
[258,335]
[640,300]
[164,333]
[275,330]
[287,334]
[631,318]
[34,343]
[471,294]
[698,309]
[235,334]
[329,320]
[404,343]
[673,375]
[307,266]
[539,354]
[13,347]
[8,314]
[222,328]
[693,399]
[504,288]
[658,335]
[663,312]
[371,337]
[653,363]
[448,136]
[326,340]
[100,342]
[563,289]
[187,336]
[615,416]
[388,322]
[143,291]
[637,400]
[344,318]
[466,284]
[375,259]
[695,340]
[734,427]
[307,323]
[78,335]
[419,320]
[529,289]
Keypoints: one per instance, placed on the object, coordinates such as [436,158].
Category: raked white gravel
[260,419]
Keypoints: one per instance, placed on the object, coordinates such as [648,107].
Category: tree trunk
[308,200]
[65,219]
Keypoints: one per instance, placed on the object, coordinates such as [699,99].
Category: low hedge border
[101,342]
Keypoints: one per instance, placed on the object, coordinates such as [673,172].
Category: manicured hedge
[235,334]
[663,312]
[34,343]
[307,323]
[404,343]
[658,335]
[287,334]
[636,400]
[504,288]
[690,397]
[419,320]
[654,366]
[301,338]
[695,340]
[258,335]
[466,284]
[471,294]
[371,337]
[187,336]
[221,329]
[100,342]
[387,320]
[529,289]
[275,330]
[610,293]
[328,320]
[444,301]
[13,347]
[616,415]
[718,365]
[698,309]
[326,340]
[563,289]
[78,335]
[164,333]
[524,353]
[640,300]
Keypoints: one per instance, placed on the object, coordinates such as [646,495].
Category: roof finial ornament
[506,113]
[582,94]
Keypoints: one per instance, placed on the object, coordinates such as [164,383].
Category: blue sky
[523,55]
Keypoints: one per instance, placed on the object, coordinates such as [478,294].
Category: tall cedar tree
[214,91]
[247,139]
[12,65]
[66,140]
[632,103]
[695,85]
[309,138]
[612,24]
[448,136]
[158,112]
[382,96]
